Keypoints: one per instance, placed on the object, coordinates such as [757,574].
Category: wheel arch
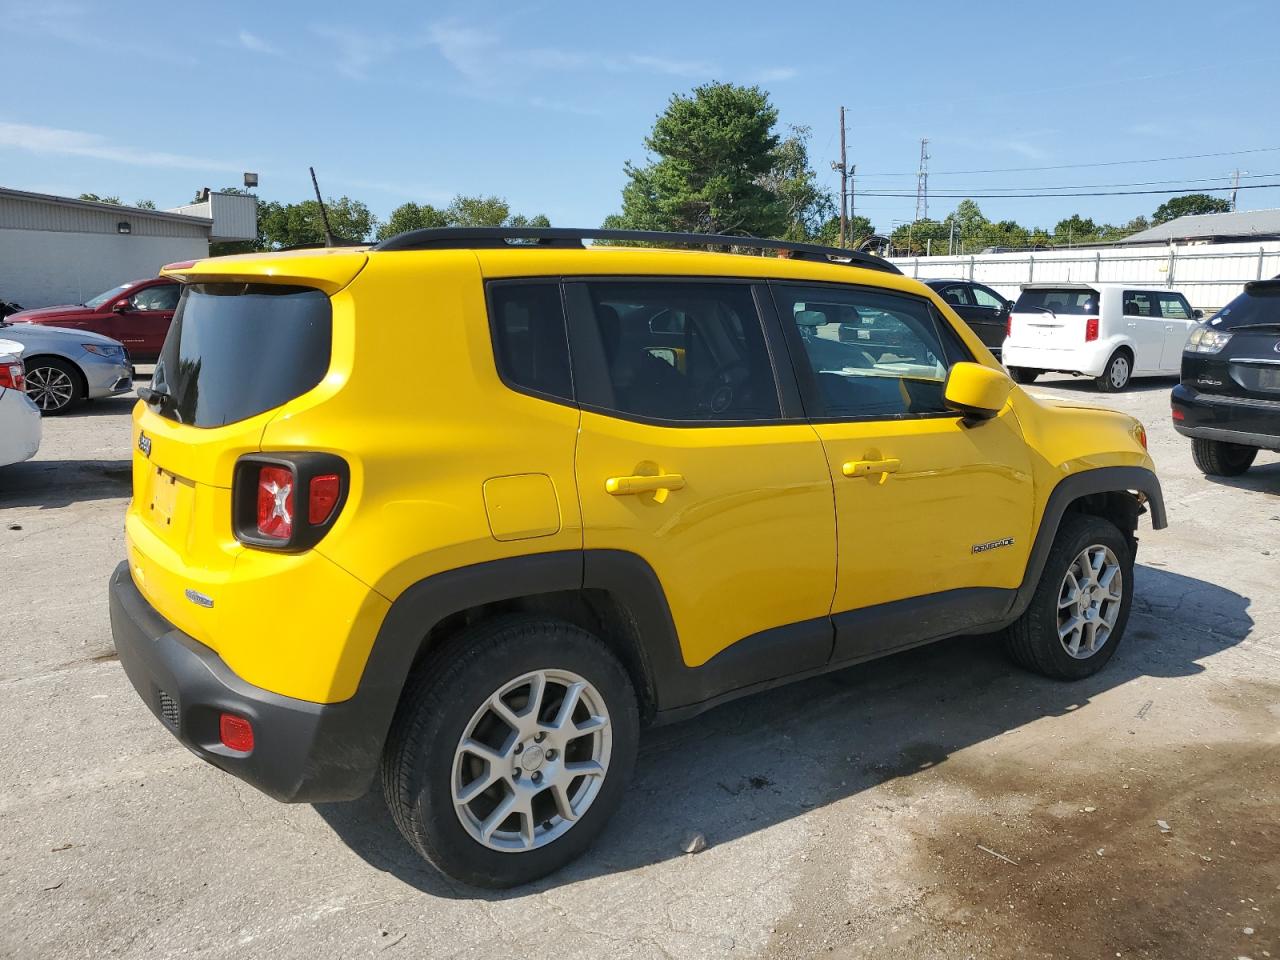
[1118,494]
[76,368]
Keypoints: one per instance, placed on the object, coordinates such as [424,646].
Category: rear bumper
[302,752]
[1254,423]
[1090,362]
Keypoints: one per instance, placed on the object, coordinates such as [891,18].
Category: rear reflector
[323,497]
[13,375]
[1178,414]
[236,733]
[275,502]
[1091,330]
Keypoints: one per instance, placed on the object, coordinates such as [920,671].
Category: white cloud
[75,143]
[255,44]
[672,68]
[357,51]
[776,75]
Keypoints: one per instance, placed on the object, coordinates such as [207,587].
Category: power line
[1112,193]
[1138,183]
[1077,166]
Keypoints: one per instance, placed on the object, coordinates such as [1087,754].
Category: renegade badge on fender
[462,512]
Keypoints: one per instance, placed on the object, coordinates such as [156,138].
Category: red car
[137,314]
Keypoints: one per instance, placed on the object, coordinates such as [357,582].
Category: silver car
[66,367]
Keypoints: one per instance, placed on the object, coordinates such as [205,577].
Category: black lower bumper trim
[302,751]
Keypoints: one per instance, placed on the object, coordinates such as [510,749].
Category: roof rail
[453,238]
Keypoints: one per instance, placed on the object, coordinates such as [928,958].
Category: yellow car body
[718,558]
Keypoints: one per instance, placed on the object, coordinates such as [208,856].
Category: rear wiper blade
[1047,310]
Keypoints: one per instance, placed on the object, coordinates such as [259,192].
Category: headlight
[1206,340]
[104,350]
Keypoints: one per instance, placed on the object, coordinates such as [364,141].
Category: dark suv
[1228,402]
[983,309]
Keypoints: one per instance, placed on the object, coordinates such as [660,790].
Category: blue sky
[542,103]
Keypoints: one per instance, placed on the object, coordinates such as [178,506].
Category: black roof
[446,238]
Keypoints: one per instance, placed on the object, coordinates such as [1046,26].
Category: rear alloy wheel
[1116,377]
[1217,458]
[511,750]
[54,386]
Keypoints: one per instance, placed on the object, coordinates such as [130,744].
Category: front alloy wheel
[531,760]
[52,386]
[1089,601]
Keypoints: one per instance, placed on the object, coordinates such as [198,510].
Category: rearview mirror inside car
[976,391]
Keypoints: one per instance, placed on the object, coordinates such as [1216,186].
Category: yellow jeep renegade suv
[469,508]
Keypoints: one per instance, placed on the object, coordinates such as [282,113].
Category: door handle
[865,468]
[625,486]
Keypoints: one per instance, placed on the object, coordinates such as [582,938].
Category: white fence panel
[1209,275]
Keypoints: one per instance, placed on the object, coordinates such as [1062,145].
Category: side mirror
[1198,314]
[976,391]
[120,306]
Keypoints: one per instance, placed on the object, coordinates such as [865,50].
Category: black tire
[1024,374]
[417,766]
[1118,373]
[1033,641]
[1217,458]
[56,386]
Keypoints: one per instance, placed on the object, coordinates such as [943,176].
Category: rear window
[1258,305]
[1069,301]
[235,350]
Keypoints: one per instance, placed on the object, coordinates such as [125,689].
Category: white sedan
[19,417]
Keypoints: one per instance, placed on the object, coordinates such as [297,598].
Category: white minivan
[1108,331]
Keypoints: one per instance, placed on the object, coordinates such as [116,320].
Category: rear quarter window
[236,350]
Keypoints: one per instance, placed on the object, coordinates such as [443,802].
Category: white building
[59,250]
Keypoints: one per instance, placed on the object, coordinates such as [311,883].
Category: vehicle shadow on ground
[765,759]
[1261,478]
[48,484]
[120,405]
[1086,385]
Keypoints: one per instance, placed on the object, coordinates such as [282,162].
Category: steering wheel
[718,392]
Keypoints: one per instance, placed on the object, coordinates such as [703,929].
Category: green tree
[809,208]
[1077,229]
[298,224]
[1188,204]
[94,198]
[920,238]
[461,212]
[857,229]
[145,204]
[715,151]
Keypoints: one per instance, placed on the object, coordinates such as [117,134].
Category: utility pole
[1235,185]
[853,202]
[922,182]
[843,169]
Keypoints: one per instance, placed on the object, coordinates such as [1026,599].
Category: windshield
[115,293]
[1259,304]
[1069,300]
[235,350]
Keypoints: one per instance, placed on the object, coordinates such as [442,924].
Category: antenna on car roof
[324,213]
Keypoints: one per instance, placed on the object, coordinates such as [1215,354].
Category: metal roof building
[59,250]
[1242,225]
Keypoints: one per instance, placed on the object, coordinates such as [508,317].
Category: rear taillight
[1178,414]
[1091,330]
[275,503]
[1008,326]
[287,501]
[13,375]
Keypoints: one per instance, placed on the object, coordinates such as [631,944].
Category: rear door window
[1141,303]
[235,350]
[676,351]
[1069,301]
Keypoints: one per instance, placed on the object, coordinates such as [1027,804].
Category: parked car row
[79,352]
